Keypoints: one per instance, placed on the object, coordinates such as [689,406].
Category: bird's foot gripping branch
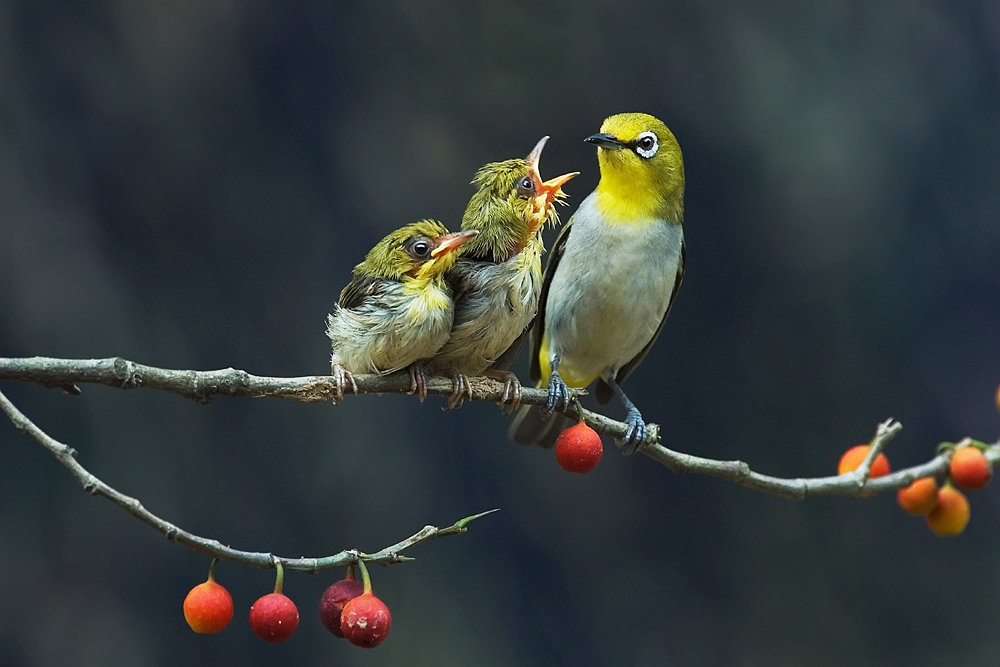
[352,611]
[201,386]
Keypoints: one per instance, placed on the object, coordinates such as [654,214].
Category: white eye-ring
[647,145]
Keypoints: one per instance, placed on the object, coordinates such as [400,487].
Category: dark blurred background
[188,185]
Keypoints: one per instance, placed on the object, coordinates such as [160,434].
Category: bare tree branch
[202,385]
[94,486]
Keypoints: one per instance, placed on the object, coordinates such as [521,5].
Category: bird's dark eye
[525,187]
[420,249]
[646,145]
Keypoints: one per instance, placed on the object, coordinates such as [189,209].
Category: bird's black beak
[605,140]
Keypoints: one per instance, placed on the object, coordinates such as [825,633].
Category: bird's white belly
[391,331]
[608,296]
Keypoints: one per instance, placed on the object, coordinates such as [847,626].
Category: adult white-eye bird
[612,276]
[397,310]
[498,276]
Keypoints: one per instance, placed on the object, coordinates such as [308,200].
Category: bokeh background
[188,185]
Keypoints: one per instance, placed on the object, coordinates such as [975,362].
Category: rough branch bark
[202,385]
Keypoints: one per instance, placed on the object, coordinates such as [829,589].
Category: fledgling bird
[498,276]
[612,276]
[397,311]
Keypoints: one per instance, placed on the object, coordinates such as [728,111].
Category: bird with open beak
[498,275]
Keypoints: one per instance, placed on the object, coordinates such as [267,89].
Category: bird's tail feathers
[531,428]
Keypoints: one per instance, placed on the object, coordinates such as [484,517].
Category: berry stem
[279,580]
[350,572]
[365,579]
[211,569]
[579,409]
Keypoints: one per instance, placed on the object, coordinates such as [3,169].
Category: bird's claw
[461,389]
[341,378]
[511,389]
[635,433]
[418,381]
[558,395]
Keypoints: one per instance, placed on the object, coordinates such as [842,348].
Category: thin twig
[202,385]
[94,486]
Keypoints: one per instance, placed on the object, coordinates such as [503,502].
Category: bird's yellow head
[422,250]
[642,170]
[510,205]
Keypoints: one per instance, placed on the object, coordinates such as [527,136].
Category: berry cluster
[945,508]
[348,609]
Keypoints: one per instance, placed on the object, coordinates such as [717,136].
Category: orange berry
[208,608]
[579,449]
[969,468]
[998,398]
[852,458]
[951,515]
[920,497]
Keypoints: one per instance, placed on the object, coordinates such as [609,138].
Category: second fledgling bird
[498,275]
[397,310]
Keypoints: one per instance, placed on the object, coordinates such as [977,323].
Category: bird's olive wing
[360,287]
[538,330]
[602,392]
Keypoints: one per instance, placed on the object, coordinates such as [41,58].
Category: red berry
[208,608]
[969,468]
[579,449]
[951,515]
[365,621]
[920,497]
[332,603]
[274,617]
[998,398]
[852,458]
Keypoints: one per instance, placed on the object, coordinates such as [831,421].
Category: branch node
[741,471]
[125,371]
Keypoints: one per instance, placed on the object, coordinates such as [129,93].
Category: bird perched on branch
[612,276]
[498,275]
[397,310]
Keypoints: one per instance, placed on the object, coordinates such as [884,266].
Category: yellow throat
[642,171]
